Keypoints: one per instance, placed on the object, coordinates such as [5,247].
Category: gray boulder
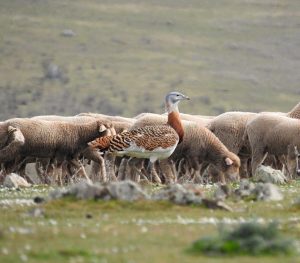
[267,174]
[259,191]
[245,189]
[125,190]
[178,194]
[267,192]
[15,181]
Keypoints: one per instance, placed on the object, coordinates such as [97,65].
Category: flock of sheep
[214,148]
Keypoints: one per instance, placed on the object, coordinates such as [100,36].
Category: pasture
[117,57]
[115,231]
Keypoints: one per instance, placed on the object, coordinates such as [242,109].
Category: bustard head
[172,100]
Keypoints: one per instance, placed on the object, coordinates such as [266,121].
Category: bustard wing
[147,138]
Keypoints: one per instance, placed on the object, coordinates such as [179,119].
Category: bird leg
[152,173]
[122,169]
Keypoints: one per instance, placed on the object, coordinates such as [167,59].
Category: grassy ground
[88,231]
[126,55]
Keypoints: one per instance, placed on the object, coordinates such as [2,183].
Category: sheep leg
[122,169]
[258,157]
[42,169]
[98,168]
[80,167]
[58,173]
[167,171]
[135,166]
[244,168]
[198,178]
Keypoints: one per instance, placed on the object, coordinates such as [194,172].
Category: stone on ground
[267,174]
[15,181]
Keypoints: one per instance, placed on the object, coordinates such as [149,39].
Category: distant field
[89,231]
[125,55]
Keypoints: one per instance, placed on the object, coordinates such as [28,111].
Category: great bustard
[154,142]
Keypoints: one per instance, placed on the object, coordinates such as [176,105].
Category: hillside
[121,57]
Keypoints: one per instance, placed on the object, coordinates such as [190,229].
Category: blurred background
[121,57]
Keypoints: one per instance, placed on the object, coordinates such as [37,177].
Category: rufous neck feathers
[175,122]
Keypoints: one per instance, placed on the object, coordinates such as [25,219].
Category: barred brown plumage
[153,142]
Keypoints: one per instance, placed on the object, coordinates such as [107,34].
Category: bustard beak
[185,97]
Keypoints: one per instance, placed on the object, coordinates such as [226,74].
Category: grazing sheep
[274,134]
[48,139]
[230,127]
[98,172]
[202,146]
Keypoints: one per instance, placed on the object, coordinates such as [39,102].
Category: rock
[15,181]
[126,190]
[267,192]
[68,33]
[178,194]
[245,189]
[267,174]
[38,200]
[259,191]
[87,191]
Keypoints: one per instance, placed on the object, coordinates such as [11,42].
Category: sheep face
[231,166]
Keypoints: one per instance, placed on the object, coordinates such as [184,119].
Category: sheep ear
[228,161]
[102,128]
[11,129]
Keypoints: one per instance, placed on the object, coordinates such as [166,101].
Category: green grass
[127,54]
[144,231]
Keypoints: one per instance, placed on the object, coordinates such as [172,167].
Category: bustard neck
[175,122]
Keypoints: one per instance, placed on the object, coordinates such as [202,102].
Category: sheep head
[231,165]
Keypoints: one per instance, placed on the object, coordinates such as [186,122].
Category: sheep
[199,145]
[230,127]
[98,171]
[49,139]
[273,134]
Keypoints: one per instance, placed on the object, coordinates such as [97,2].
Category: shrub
[246,239]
